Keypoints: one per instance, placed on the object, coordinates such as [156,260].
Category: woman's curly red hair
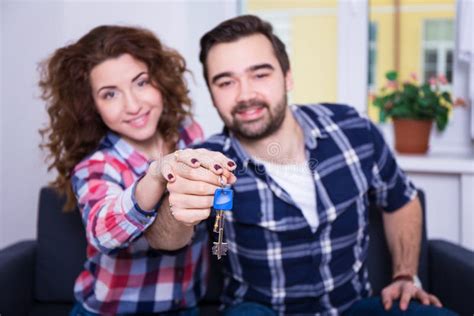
[76,128]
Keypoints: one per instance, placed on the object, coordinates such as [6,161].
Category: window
[327,41]
[438,46]
[372,55]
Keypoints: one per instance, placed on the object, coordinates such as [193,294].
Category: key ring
[176,154]
[221,181]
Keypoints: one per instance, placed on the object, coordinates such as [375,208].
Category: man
[297,235]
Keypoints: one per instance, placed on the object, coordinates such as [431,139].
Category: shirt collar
[310,129]
[135,159]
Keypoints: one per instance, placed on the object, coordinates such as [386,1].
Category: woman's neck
[153,148]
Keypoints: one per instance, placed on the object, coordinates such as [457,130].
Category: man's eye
[261,75]
[224,84]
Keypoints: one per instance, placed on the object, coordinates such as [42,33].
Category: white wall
[29,32]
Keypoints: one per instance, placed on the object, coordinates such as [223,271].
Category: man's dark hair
[234,29]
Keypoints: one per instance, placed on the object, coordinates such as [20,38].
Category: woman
[119,110]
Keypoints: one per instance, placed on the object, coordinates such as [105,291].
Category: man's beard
[267,124]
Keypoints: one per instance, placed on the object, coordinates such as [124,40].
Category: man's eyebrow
[250,69]
[261,66]
[221,75]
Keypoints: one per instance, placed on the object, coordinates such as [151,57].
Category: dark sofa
[37,276]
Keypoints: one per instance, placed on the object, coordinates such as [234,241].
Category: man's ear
[289,81]
[212,96]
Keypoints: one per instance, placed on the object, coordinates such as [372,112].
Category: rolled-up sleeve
[390,187]
[109,211]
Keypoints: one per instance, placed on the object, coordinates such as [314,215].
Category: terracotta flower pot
[412,136]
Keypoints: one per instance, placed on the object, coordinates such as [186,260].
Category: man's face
[248,86]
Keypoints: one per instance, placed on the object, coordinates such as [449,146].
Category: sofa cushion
[61,250]
[51,309]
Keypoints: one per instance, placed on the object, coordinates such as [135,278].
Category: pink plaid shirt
[122,273]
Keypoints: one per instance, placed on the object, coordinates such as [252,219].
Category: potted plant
[413,107]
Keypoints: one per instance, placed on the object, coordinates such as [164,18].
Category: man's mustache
[242,106]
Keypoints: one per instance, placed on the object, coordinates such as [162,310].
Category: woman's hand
[191,177]
[181,163]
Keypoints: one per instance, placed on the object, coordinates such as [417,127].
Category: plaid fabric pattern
[274,258]
[122,273]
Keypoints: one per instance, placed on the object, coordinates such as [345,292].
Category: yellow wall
[314,42]
[257,5]
[411,36]
[313,48]
[314,59]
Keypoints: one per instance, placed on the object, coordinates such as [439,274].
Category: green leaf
[447,96]
[441,122]
[426,89]
[411,100]
[391,75]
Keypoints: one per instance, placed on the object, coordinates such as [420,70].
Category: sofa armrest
[451,275]
[16,278]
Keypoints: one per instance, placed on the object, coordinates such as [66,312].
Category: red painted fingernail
[170,176]
[231,164]
[217,167]
[194,160]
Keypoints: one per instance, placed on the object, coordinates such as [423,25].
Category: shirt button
[176,301]
[179,273]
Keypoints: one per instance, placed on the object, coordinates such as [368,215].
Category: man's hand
[405,291]
[168,167]
[191,176]
[191,194]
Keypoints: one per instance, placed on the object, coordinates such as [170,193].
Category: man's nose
[246,91]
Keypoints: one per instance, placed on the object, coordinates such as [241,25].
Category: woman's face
[125,98]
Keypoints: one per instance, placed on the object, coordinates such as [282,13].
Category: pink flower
[391,84]
[459,102]
[414,76]
[388,106]
[433,81]
[442,79]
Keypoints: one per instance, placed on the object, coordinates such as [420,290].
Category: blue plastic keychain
[223,198]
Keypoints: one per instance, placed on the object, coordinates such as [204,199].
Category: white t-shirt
[297,180]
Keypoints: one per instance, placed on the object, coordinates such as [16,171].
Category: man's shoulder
[215,142]
[329,109]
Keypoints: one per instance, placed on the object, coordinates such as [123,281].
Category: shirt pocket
[344,189]
[247,202]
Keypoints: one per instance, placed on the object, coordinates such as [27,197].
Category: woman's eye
[143,82]
[108,95]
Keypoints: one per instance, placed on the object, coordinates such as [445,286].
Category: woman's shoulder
[103,160]
[190,132]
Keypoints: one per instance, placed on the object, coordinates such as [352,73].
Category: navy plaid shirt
[274,258]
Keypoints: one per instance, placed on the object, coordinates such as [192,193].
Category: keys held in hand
[222,202]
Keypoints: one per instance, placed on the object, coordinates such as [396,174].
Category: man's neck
[284,146]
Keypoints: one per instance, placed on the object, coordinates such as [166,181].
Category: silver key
[220,248]
[222,203]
